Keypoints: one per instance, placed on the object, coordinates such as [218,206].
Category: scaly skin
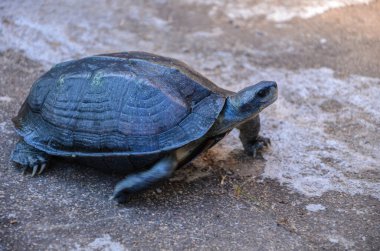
[140,181]
[249,136]
[30,158]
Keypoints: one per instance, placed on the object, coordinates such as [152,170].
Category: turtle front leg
[30,157]
[252,142]
[143,180]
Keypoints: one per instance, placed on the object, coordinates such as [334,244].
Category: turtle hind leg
[146,179]
[252,142]
[29,157]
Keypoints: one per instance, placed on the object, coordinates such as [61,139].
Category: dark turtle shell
[118,104]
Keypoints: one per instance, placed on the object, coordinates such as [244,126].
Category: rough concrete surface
[317,187]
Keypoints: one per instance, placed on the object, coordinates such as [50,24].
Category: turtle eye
[263,93]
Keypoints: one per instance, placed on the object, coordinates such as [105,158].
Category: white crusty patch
[338,239]
[6,99]
[49,38]
[315,207]
[102,243]
[273,10]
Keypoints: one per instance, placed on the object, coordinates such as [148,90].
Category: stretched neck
[230,117]
[244,105]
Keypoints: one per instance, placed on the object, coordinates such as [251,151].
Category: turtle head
[245,104]
[250,101]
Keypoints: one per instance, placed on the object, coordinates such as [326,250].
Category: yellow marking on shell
[97,79]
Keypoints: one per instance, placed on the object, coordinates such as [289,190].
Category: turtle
[136,113]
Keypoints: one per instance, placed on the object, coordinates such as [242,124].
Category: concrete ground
[317,187]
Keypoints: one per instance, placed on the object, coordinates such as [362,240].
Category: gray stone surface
[318,187]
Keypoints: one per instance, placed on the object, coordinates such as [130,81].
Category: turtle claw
[255,148]
[36,165]
[254,153]
[30,158]
[43,166]
[265,141]
[24,170]
[35,168]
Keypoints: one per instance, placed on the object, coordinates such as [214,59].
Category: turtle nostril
[263,93]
